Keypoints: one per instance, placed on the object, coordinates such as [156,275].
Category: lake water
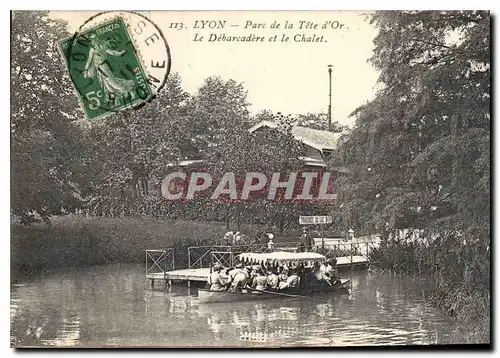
[113,306]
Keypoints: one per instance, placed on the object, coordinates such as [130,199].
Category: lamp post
[330,99]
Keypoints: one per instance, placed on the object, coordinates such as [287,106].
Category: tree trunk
[133,189]
[238,217]
[142,184]
[281,223]
[138,188]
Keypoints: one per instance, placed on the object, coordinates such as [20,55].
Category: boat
[341,287]
[207,296]
[274,259]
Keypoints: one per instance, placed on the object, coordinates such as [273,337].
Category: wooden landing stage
[201,274]
[160,264]
[345,261]
[194,274]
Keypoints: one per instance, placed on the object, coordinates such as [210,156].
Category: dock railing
[207,256]
[226,255]
[347,248]
[160,261]
[199,256]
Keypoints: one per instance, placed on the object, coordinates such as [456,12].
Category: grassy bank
[461,271]
[75,241]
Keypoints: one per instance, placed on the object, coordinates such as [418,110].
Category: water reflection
[112,306]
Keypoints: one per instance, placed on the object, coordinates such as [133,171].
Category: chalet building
[317,145]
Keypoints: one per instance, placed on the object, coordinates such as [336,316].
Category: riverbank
[461,273]
[75,241]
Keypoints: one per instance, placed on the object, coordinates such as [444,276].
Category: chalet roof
[316,138]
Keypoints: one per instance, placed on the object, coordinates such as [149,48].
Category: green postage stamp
[105,69]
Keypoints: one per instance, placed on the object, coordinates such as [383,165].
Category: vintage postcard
[253,179]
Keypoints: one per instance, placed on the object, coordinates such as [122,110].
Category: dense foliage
[419,156]
[46,146]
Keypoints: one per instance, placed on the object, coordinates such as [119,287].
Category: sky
[290,77]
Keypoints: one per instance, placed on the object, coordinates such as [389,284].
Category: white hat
[271,236]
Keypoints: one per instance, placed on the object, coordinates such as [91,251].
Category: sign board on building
[315,220]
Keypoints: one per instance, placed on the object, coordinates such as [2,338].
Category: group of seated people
[272,278]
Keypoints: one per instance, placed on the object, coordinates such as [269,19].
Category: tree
[309,120]
[319,121]
[131,150]
[46,146]
[217,111]
[419,153]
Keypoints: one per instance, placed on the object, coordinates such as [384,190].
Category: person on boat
[283,277]
[251,270]
[216,281]
[329,267]
[272,279]
[239,277]
[293,281]
[226,275]
[283,273]
[260,280]
[319,273]
[309,278]
[331,271]
[301,271]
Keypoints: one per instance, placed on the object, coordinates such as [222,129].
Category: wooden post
[351,256]
[165,266]
[323,238]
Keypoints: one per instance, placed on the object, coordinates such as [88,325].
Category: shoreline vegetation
[461,274]
[77,241]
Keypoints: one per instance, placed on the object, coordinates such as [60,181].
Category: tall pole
[330,99]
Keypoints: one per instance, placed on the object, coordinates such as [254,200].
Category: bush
[78,241]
